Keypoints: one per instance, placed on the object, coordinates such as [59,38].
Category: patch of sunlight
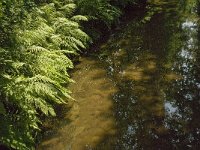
[172,76]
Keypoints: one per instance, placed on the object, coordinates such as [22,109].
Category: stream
[142,89]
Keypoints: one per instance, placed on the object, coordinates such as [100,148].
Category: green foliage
[102,14]
[100,10]
[34,70]
[36,39]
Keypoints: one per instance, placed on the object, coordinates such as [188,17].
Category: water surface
[142,91]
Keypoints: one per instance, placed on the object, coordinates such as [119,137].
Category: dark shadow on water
[2,147]
[157,105]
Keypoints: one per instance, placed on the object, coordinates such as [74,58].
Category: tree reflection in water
[157,72]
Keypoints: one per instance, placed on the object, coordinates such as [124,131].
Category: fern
[78,18]
[99,9]
[36,39]
[34,70]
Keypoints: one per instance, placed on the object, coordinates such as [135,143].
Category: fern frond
[68,9]
[78,18]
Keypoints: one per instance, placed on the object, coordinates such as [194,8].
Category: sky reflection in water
[156,66]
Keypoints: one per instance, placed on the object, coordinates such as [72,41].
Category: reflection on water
[143,91]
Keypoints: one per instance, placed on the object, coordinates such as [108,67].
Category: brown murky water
[91,117]
[142,91]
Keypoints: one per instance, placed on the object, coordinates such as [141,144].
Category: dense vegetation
[38,39]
